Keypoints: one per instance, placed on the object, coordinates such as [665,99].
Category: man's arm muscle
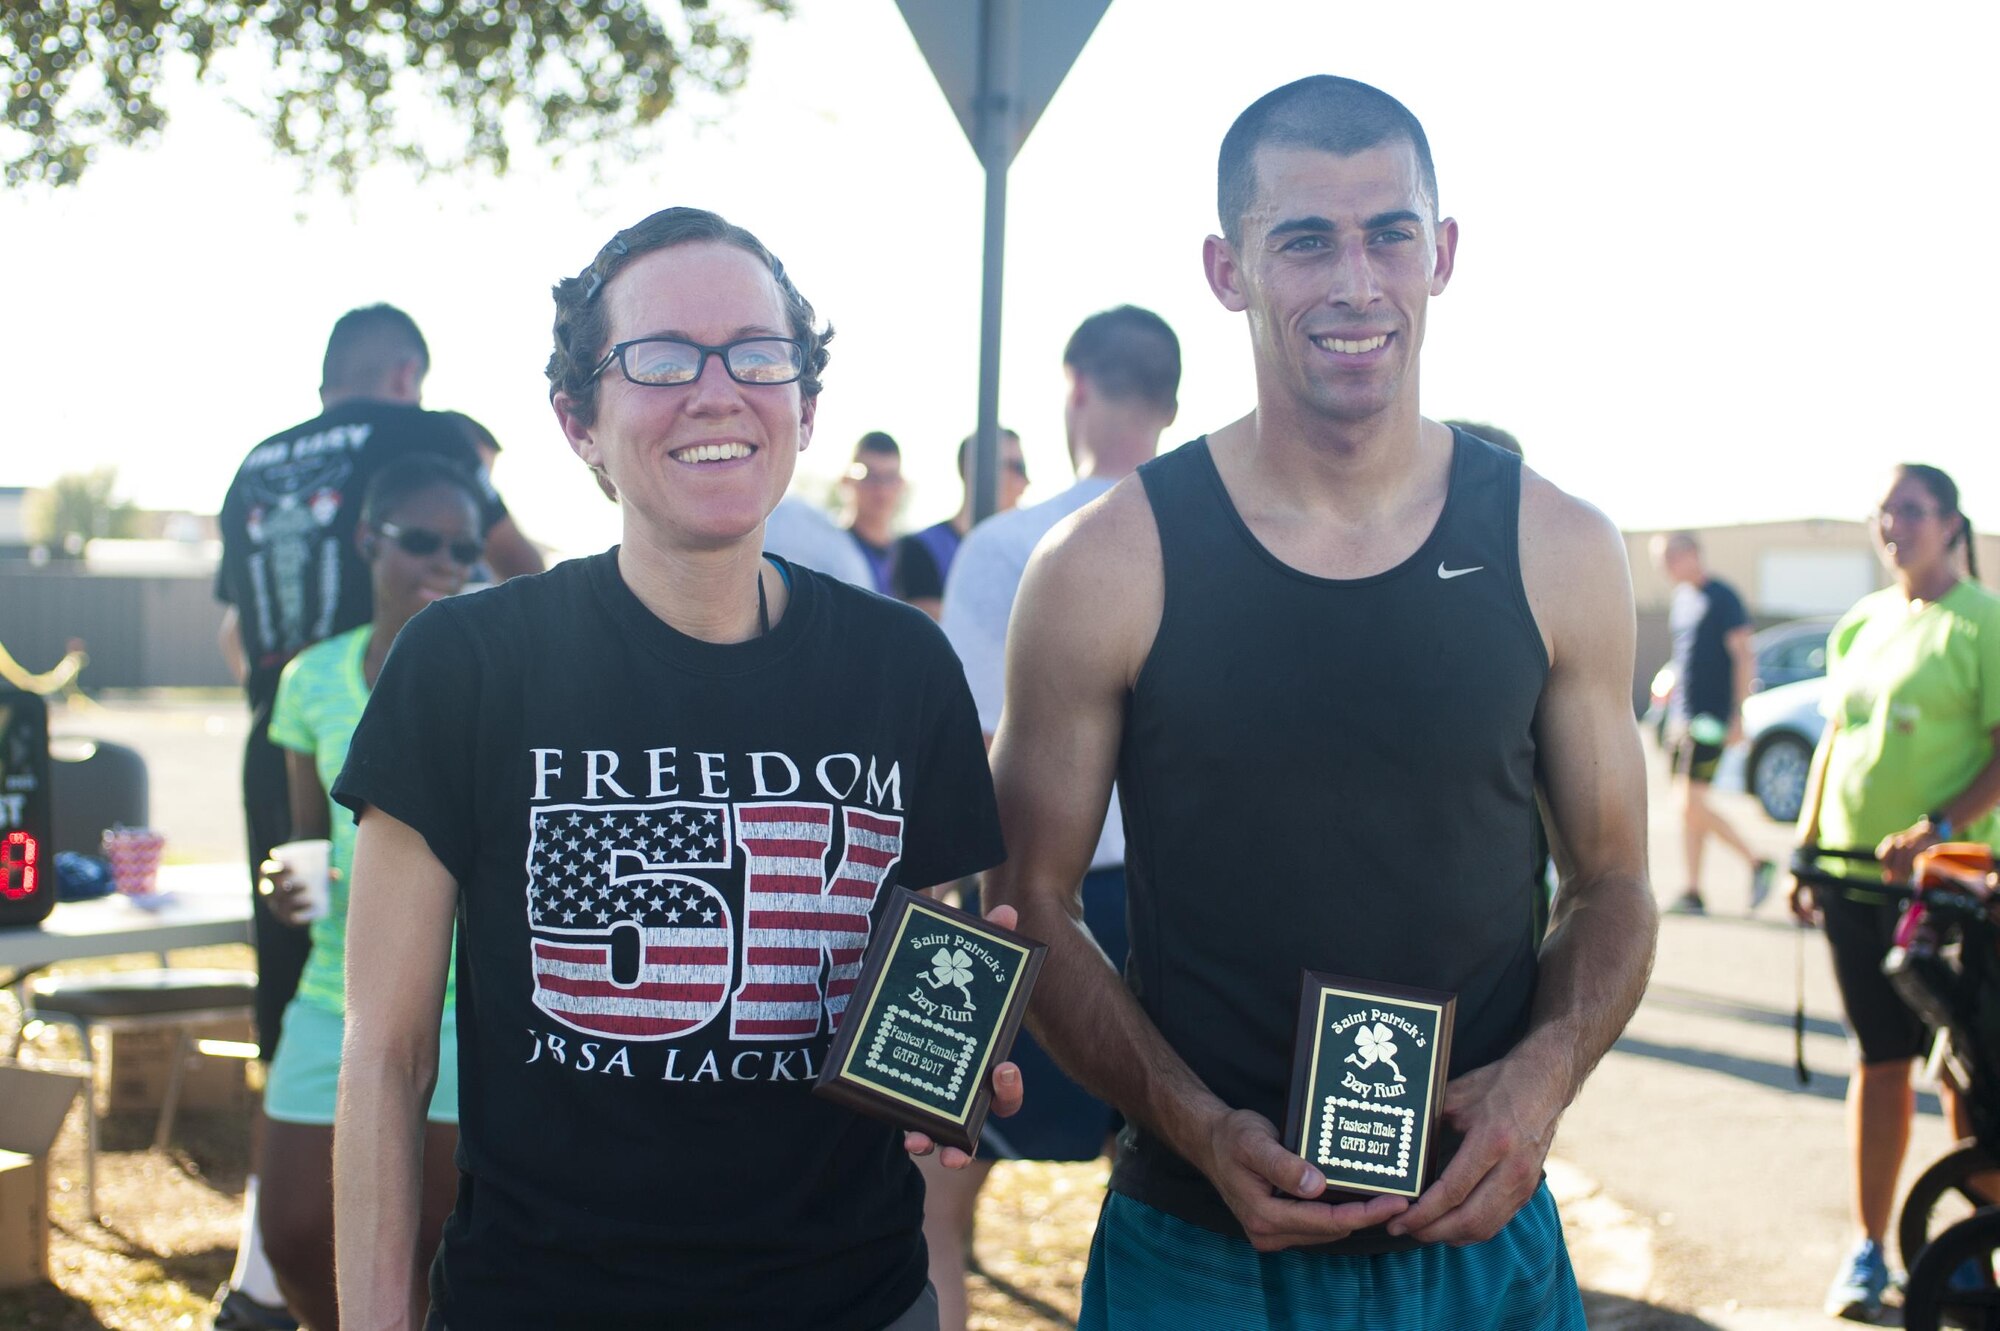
[1088,610]
[1599,949]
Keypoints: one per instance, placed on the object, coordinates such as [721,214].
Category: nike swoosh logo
[1449,573]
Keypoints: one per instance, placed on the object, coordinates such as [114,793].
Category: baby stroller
[1946,965]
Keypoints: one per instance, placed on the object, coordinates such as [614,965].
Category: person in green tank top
[1908,760]
[419,534]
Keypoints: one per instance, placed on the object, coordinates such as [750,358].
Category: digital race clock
[27,874]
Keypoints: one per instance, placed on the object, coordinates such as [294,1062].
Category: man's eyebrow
[1296,225]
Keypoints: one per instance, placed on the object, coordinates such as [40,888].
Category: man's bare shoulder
[1113,529]
[1098,573]
[1573,562]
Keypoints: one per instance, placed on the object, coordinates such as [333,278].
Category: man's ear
[1447,255]
[1225,274]
[407,385]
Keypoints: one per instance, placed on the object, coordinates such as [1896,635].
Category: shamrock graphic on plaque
[940,998]
[1368,1075]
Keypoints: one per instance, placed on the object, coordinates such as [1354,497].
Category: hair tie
[590,292]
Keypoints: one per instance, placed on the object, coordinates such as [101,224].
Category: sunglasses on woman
[421,543]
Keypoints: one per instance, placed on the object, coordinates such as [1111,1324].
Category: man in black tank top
[1333,653]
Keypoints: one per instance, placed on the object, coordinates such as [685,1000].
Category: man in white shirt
[1124,370]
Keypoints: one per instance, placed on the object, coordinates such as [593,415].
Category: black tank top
[1334,774]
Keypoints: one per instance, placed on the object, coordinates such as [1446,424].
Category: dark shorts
[1860,934]
[1059,1120]
[1697,762]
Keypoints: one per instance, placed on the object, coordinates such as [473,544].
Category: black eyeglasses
[665,362]
[421,543]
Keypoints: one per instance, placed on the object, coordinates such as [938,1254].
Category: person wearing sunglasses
[419,537]
[290,576]
[664,792]
[1910,757]
[922,560]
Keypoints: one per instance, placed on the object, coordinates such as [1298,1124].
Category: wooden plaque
[941,995]
[1368,1075]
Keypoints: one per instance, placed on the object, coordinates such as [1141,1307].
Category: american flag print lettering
[795,923]
[596,871]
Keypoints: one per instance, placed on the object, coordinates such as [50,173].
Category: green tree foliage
[347,75]
[80,507]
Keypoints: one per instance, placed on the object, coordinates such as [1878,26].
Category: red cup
[134,853]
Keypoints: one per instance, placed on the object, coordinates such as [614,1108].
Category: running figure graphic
[1375,1044]
[953,967]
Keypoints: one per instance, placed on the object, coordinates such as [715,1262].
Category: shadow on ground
[1610,1312]
[46,1309]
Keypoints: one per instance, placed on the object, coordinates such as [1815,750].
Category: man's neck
[710,595]
[340,397]
[1344,467]
[876,534]
[1112,449]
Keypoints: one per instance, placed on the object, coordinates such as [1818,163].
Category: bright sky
[1714,263]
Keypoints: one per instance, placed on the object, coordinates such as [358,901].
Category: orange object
[1965,865]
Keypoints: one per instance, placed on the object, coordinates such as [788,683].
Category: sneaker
[1856,1293]
[1688,903]
[1762,874]
[237,1311]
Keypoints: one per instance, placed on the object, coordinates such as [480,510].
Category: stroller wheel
[1940,1198]
[1953,1283]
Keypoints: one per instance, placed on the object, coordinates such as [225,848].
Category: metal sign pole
[1000,46]
[997,88]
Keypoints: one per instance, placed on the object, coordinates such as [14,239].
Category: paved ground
[1701,1184]
[1734,1175]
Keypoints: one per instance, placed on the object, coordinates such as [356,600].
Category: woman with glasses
[665,792]
[419,536]
[1908,760]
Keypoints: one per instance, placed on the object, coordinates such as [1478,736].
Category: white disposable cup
[308,862]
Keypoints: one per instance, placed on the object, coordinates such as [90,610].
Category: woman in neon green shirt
[419,533]
[1907,760]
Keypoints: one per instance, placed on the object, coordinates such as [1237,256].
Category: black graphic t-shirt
[670,855]
[289,565]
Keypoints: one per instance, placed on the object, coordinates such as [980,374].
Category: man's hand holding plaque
[1368,1083]
[932,1016]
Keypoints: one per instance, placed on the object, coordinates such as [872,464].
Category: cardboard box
[133,1066]
[33,1104]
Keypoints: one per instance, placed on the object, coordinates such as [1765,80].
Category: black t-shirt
[289,565]
[922,560]
[670,854]
[1702,619]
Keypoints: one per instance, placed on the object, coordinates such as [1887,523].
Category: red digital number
[19,868]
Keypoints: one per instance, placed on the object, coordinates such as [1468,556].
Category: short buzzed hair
[878,441]
[369,344]
[1130,354]
[1334,115]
